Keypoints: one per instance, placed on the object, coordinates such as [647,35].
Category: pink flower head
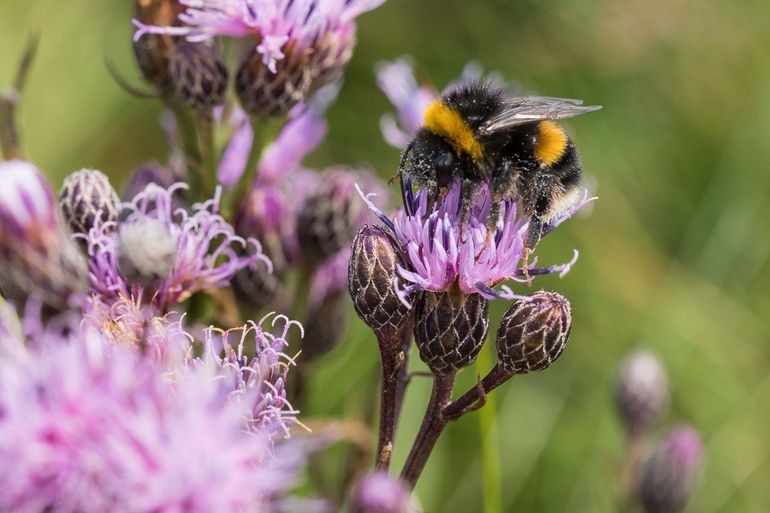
[208,252]
[379,492]
[93,427]
[254,368]
[38,259]
[28,207]
[277,25]
[442,250]
[396,79]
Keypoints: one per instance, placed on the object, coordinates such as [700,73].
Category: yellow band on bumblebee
[551,142]
[448,123]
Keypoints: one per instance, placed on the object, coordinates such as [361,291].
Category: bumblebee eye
[444,160]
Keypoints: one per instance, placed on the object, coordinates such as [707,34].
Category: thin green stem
[193,158]
[9,101]
[265,132]
[204,126]
[490,458]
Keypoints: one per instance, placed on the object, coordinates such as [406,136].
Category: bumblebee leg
[533,237]
[492,219]
[468,193]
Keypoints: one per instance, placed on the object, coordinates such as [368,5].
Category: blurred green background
[674,255]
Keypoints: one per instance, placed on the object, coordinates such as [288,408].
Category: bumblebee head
[433,160]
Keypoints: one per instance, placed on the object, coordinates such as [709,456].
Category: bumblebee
[478,134]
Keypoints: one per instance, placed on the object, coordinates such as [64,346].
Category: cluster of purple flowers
[91,425]
[124,385]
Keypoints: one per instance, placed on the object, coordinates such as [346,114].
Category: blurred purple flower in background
[379,492]
[207,249]
[91,426]
[396,79]
[668,479]
[39,259]
[254,368]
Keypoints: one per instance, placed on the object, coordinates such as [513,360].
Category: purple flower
[280,25]
[330,277]
[641,391]
[380,493]
[668,479]
[254,368]
[208,253]
[270,209]
[38,259]
[441,250]
[236,155]
[92,427]
[28,207]
[301,135]
[396,79]
[129,323]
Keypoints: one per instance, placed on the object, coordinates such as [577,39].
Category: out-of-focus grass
[674,255]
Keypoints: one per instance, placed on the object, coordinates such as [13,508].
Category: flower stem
[393,361]
[204,126]
[432,425]
[628,471]
[476,397]
[9,100]
[490,458]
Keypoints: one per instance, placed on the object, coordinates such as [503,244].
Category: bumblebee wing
[525,109]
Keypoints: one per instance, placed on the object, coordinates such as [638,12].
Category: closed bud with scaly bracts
[668,480]
[144,175]
[198,74]
[533,332]
[373,266]
[641,391]
[297,47]
[87,198]
[265,93]
[450,328]
[259,286]
[328,220]
[38,258]
[325,324]
[153,52]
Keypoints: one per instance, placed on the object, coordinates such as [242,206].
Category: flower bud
[325,324]
[258,286]
[153,52]
[144,175]
[669,478]
[373,266]
[146,251]
[450,328]
[199,75]
[329,217]
[533,332]
[266,93]
[264,214]
[641,391]
[380,493]
[87,198]
[39,260]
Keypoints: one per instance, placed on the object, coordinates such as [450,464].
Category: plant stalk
[433,424]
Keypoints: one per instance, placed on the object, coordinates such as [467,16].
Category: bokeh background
[674,255]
